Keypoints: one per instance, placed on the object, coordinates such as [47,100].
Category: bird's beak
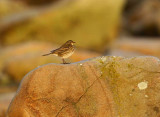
[74,42]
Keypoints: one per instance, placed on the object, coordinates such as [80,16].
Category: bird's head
[70,42]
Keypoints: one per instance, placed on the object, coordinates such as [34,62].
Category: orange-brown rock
[99,87]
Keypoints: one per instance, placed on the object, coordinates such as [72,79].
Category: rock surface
[100,87]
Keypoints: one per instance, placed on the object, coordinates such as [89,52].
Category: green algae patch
[109,71]
[108,66]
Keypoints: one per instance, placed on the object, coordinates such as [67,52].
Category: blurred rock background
[30,28]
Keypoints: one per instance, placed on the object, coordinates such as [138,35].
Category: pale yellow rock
[93,24]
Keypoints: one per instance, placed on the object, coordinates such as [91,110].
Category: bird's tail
[46,54]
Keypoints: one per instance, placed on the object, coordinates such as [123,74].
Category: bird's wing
[59,50]
[53,51]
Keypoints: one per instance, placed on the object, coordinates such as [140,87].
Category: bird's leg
[64,62]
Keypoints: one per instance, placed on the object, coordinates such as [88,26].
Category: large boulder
[100,87]
[92,24]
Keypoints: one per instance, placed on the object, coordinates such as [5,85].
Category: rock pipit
[65,51]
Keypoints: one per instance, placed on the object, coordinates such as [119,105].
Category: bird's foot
[65,63]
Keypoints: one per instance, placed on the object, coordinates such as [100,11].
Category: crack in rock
[77,100]
[61,110]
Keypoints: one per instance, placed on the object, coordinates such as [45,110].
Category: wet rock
[101,87]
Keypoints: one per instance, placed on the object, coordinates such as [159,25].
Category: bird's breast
[68,54]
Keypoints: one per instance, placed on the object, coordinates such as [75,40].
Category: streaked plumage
[65,51]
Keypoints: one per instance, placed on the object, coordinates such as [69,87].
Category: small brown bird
[65,51]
